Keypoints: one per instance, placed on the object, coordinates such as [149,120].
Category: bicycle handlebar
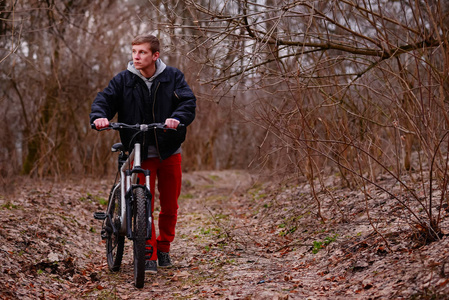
[138,127]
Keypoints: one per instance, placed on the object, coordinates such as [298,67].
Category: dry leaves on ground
[236,239]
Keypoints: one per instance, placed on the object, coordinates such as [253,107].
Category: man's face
[143,58]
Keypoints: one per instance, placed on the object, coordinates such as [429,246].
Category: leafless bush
[346,88]
[55,56]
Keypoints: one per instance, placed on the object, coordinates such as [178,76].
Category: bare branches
[354,89]
[327,92]
[379,30]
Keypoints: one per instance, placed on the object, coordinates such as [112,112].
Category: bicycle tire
[139,228]
[115,243]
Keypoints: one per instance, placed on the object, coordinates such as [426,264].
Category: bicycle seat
[117,147]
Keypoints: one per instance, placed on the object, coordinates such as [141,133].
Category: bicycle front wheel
[139,228]
[115,242]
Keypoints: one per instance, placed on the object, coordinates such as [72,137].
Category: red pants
[168,173]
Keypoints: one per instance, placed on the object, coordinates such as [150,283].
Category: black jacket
[129,97]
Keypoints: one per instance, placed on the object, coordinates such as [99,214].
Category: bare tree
[355,87]
[55,55]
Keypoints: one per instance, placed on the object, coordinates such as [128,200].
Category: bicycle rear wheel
[115,242]
[139,227]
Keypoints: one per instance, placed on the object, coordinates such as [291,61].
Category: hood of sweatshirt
[160,67]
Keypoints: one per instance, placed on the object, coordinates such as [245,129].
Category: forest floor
[237,238]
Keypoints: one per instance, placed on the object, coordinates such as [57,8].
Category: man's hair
[147,38]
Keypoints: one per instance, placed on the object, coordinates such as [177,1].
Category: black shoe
[163,259]
[151,266]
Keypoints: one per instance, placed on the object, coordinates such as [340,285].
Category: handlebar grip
[93,126]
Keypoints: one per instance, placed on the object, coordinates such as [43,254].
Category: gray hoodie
[160,67]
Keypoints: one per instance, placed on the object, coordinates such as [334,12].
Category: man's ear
[155,55]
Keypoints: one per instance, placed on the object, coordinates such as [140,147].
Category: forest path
[236,239]
[50,245]
[214,254]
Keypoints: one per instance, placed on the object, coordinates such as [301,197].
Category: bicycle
[129,205]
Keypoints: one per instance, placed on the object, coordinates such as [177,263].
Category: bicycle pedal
[100,215]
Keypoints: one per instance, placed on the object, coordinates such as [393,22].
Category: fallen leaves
[180,275]
[239,247]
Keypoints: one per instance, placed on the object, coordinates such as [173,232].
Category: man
[150,91]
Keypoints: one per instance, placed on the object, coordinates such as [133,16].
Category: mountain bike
[128,213]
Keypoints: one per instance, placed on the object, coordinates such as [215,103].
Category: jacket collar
[132,79]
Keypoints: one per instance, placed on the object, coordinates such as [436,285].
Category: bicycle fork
[128,177]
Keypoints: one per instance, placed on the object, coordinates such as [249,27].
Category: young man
[150,91]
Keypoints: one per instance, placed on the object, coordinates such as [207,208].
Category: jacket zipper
[143,121]
[154,119]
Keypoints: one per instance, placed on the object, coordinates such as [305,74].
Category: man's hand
[101,123]
[172,123]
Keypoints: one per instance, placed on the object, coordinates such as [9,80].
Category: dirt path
[51,249]
[236,239]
